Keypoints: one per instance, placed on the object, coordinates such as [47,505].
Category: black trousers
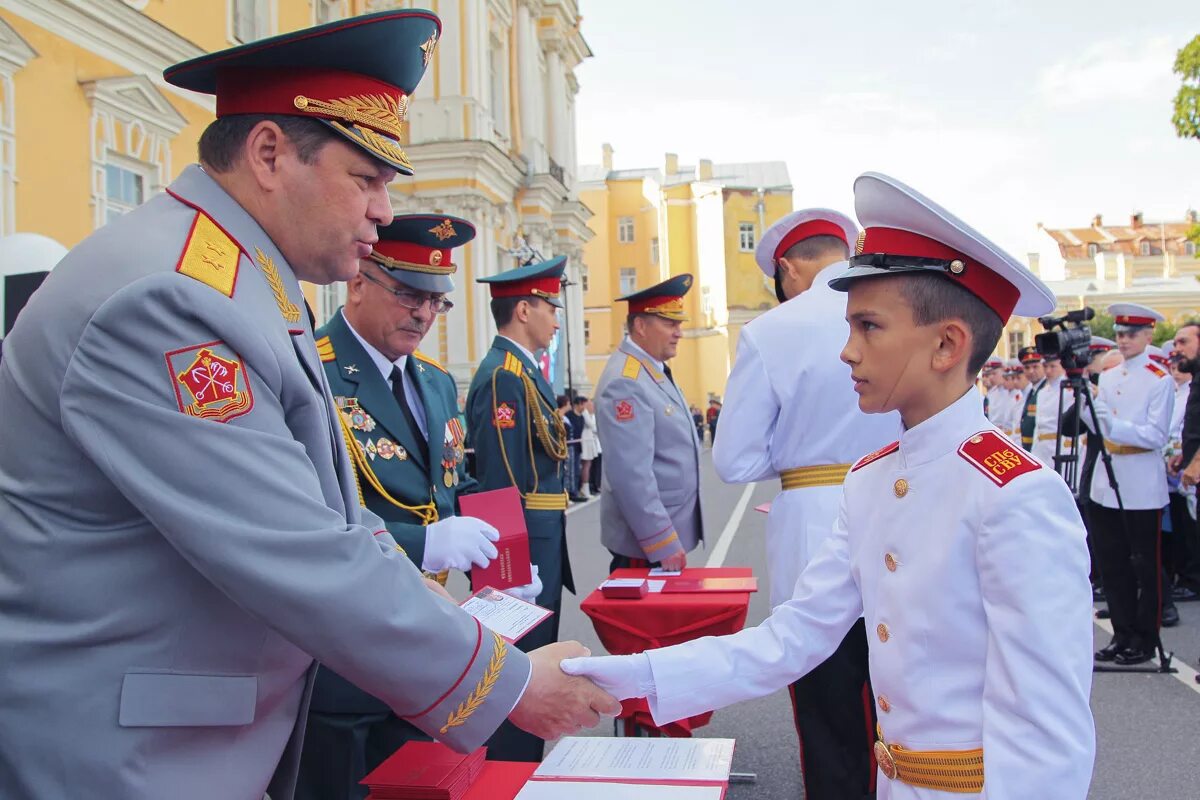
[1130,562]
[1182,557]
[1085,512]
[835,722]
[340,749]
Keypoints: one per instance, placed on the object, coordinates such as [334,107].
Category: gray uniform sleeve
[625,423]
[242,503]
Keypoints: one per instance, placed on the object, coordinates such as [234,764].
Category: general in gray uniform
[650,494]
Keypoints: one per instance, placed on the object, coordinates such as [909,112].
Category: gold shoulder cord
[556,446]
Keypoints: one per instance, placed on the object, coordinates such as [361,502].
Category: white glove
[459,543]
[529,591]
[621,676]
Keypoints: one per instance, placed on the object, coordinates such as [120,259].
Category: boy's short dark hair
[221,143]
[563,401]
[814,247]
[578,400]
[503,308]
[935,298]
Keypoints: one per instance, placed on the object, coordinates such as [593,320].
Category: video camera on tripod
[1067,337]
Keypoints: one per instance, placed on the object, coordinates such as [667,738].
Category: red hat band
[986,284]
[407,255]
[540,287]
[807,230]
[657,305]
[329,94]
[1122,319]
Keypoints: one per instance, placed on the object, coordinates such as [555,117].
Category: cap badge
[435,258]
[957,267]
[428,47]
[443,231]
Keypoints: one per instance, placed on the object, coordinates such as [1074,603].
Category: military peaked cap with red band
[416,249]
[1029,355]
[355,75]
[993,363]
[1131,316]
[1101,345]
[542,280]
[905,232]
[798,226]
[662,299]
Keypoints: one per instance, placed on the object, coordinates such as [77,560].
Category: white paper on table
[628,758]
[659,572]
[508,616]
[600,790]
[656,586]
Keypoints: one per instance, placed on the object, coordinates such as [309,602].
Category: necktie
[402,401]
[667,372]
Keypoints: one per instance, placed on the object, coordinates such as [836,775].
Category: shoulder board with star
[513,364]
[210,255]
[325,349]
[1156,369]
[996,457]
[878,454]
[430,361]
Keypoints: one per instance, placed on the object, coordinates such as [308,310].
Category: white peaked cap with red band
[798,226]
[904,232]
[1130,316]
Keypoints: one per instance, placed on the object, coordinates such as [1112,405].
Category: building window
[625,230]
[1092,250]
[1145,248]
[1016,340]
[583,277]
[587,332]
[746,236]
[329,298]
[628,280]
[328,10]
[654,251]
[124,188]
[15,53]
[250,20]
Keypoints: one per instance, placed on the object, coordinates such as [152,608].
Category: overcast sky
[1008,113]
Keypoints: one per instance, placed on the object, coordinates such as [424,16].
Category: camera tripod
[1068,467]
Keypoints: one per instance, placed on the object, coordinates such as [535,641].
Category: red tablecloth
[500,780]
[658,620]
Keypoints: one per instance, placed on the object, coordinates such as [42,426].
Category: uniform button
[885,705]
[890,562]
[900,487]
[884,633]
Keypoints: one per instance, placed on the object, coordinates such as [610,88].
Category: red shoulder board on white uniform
[1156,369]
[996,457]
[878,454]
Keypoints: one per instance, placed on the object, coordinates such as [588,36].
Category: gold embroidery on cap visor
[448,268]
[366,119]
[671,309]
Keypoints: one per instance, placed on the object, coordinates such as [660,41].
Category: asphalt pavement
[1147,724]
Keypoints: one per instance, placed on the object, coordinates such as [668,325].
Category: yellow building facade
[652,224]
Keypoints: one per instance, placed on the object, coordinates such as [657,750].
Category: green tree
[1187,101]
[1102,325]
[1164,334]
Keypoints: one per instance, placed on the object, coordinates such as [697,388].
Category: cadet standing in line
[1047,413]
[399,419]
[964,554]
[1133,407]
[650,494]
[188,538]
[520,440]
[791,414]
[1010,423]
[1035,374]
[993,386]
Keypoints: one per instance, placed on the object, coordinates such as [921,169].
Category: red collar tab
[807,230]
[986,284]
[878,454]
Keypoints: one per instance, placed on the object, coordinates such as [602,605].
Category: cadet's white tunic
[981,635]
[1046,422]
[1134,405]
[790,402]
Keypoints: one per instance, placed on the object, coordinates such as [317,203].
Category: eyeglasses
[413,300]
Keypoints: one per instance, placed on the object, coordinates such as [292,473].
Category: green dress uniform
[520,440]
[1029,409]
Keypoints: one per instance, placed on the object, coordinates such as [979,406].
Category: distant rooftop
[750,175]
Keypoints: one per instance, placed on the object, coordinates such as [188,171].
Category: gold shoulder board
[632,367]
[325,349]
[513,364]
[210,256]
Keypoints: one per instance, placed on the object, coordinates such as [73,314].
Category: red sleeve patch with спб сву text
[210,381]
[996,457]
[624,410]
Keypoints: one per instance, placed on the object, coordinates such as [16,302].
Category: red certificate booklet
[425,771]
[502,509]
[690,585]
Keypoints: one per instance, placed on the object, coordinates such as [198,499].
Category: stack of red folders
[425,771]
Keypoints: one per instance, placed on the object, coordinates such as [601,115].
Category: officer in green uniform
[520,441]
[1031,363]
[398,416]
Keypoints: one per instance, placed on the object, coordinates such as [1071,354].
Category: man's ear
[954,346]
[521,311]
[262,150]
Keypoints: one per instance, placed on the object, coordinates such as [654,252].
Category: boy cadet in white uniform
[1045,429]
[977,602]
[791,413]
[993,386]
[1133,406]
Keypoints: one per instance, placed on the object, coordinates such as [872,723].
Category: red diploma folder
[692,585]
[425,771]
[502,509]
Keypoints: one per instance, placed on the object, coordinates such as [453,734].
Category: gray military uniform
[180,534]
[650,495]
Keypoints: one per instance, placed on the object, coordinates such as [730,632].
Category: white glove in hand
[459,543]
[621,676]
[529,591]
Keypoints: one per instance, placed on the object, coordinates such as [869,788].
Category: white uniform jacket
[1134,405]
[1010,421]
[790,402]
[1182,390]
[967,559]
[996,401]
[1046,422]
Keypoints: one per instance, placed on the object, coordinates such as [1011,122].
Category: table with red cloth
[500,780]
[658,620]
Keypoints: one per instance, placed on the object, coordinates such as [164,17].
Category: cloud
[1112,71]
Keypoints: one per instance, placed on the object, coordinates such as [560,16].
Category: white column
[529,84]
[556,101]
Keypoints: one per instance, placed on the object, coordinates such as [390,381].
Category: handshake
[555,703]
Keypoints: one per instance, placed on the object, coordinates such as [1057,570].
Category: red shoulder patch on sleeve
[878,454]
[210,381]
[1156,369]
[996,457]
[624,409]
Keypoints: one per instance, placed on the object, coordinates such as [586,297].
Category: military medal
[448,479]
[372,450]
[401,453]
[452,451]
[386,449]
